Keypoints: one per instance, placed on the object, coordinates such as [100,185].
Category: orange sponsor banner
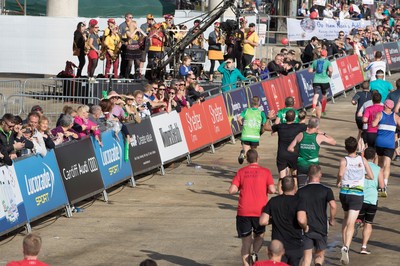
[216,118]
[194,124]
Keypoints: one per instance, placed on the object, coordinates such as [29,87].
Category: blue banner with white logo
[257,90]
[110,157]
[41,184]
[304,81]
[12,207]
[235,102]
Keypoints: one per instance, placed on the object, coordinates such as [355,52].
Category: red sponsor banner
[216,118]
[345,72]
[356,75]
[195,127]
[273,90]
[289,88]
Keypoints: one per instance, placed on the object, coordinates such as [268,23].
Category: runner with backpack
[323,72]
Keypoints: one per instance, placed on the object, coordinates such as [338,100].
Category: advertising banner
[257,90]
[169,135]
[305,29]
[356,75]
[344,70]
[336,81]
[392,55]
[304,81]
[290,88]
[12,207]
[143,149]
[79,169]
[112,164]
[274,93]
[195,127]
[41,184]
[371,50]
[235,102]
[217,118]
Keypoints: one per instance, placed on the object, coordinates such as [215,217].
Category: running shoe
[345,255]
[382,193]
[241,157]
[365,251]
[254,257]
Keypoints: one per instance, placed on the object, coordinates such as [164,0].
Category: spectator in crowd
[254,183]
[131,110]
[275,251]
[116,101]
[67,110]
[230,75]
[195,93]
[303,11]
[64,132]
[377,64]
[43,129]
[291,61]
[215,40]
[344,13]
[365,12]
[142,107]
[41,143]
[171,103]
[181,97]
[307,56]
[185,69]
[276,67]
[84,126]
[31,246]
[314,8]
[149,96]
[19,136]
[7,136]
[38,109]
[79,45]
[96,116]
[264,72]
[328,13]
[287,214]
[123,28]
[250,42]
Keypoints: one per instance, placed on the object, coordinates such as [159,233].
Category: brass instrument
[103,52]
[116,51]
[87,46]
[221,39]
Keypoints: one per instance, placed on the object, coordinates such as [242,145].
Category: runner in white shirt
[376,65]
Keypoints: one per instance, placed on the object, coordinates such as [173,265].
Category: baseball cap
[389,104]
[111,20]
[93,22]
[324,52]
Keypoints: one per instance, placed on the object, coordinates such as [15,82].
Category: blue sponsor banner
[304,81]
[12,207]
[235,102]
[110,157]
[257,90]
[41,184]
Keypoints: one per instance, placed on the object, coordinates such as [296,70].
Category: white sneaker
[345,255]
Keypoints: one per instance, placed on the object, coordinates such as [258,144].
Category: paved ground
[175,222]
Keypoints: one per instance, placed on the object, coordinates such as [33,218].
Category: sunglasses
[10,126]
[96,27]
[161,89]
[182,84]
[341,34]
[172,93]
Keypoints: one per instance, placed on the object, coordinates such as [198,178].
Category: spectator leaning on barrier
[276,67]
[7,136]
[64,132]
[84,126]
[230,75]
[19,136]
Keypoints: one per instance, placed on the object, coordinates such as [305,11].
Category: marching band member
[123,28]
[113,44]
[79,46]
[134,49]
[215,40]
[94,52]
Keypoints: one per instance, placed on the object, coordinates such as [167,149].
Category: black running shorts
[367,213]
[351,202]
[247,225]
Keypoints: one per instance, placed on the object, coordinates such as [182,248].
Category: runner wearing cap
[387,120]
[323,72]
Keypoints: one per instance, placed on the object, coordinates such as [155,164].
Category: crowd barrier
[36,186]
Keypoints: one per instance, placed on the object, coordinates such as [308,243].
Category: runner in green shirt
[289,105]
[253,120]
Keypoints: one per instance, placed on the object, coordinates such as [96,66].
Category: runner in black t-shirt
[359,99]
[288,220]
[316,197]
[286,160]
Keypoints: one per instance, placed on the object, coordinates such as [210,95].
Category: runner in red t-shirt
[254,183]
[275,252]
[31,246]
